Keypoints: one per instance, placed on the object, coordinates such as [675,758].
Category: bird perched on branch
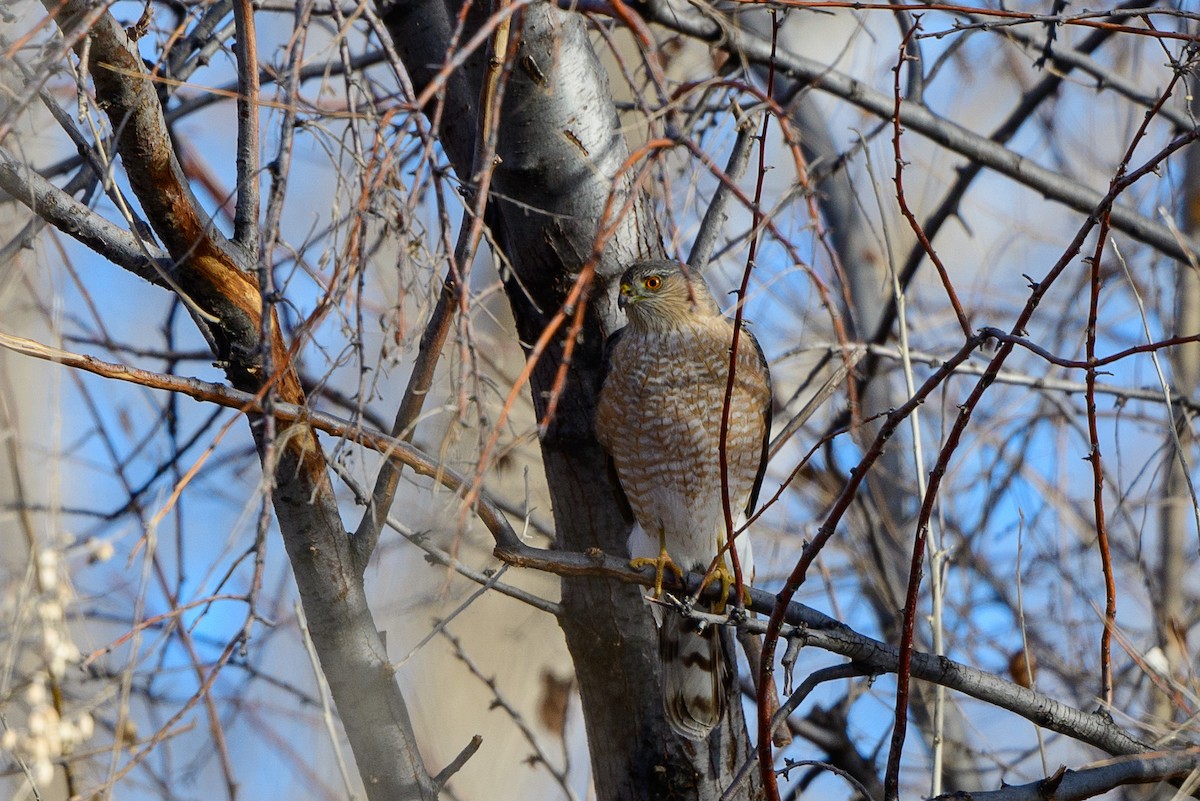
[660,417]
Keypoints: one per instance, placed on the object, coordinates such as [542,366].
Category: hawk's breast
[659,417]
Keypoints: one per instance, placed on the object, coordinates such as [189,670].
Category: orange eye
[653,282]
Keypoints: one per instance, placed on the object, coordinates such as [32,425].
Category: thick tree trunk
[560,155]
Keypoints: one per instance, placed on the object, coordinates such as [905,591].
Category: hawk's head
[660,294]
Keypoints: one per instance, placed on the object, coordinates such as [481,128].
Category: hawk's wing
[766,413]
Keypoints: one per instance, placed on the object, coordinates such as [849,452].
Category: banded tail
[695,675]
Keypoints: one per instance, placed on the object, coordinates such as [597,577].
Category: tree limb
[1076,785]
[218,277]
[951,135]
[144,259]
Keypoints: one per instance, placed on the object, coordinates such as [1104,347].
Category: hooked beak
[623,295]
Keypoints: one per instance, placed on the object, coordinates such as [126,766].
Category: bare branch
[77,220]
[715,215]
[457,763]
[920,119]
[1094,780]
[245,220]
[248,403]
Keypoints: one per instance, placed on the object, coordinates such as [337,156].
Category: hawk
[659,418]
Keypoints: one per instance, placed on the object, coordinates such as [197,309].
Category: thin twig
[891,778]
[739,310]
[445,559]
[1013,377]
[457,763]
[249,403]
[441,624]
[433,339]
[898,179]
[1110,589]
[1093,457]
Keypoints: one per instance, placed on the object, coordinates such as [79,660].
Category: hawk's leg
[724,575]
[662,563]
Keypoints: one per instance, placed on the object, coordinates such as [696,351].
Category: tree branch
[245,218]
[872,656]
[144,259]
[715,216]
[219,279]
[920,119]
[1076,785]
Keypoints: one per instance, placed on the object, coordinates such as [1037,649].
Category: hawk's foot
[724,575]
[662,563]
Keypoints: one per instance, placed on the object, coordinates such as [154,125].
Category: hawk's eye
[653,282]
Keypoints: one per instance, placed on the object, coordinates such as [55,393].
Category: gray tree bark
[559,162]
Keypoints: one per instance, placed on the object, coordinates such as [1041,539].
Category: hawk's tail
[695,675]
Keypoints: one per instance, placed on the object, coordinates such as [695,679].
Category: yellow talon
[725,576]
[662,563]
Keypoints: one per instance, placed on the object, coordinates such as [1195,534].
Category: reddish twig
[1099,361]
[829,526]
[898,179]
[1094,458]
[891,779]
[738,316]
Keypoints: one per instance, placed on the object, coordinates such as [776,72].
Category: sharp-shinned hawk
[659,417]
